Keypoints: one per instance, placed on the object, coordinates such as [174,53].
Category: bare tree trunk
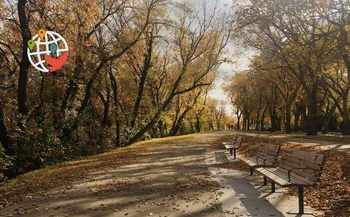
[22,78]
[312,113]
[239,115]
[263,117]
[106,109]
[244,123]
[346,119]
[198,124]
[344,41]
[247,124]
[24,64]
[288,120]
[296,118]
[258,116]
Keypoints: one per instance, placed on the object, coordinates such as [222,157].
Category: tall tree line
[299,78]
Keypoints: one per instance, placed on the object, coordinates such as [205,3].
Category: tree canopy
[136,70]
[301,68]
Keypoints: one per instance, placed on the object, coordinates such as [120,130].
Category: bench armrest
[289,171]
[268,158]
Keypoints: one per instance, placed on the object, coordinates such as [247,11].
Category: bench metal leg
[231,151]
[265,180]
[301,200]
[251,171]
[273,187]
[234,151]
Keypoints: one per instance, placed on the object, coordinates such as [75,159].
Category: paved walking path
[172,179]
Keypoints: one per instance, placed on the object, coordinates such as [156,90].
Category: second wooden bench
[232,146]
[266,157]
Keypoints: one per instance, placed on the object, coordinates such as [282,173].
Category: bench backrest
[233,140]
[269,149]
[310,164]
[267,154]
[239,141]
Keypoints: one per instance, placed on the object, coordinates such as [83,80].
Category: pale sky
[240,63]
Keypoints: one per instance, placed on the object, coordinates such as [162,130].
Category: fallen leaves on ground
[118,185]
[63,174]
[202,181]
[234,165]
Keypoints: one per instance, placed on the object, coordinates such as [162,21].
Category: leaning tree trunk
[114,85]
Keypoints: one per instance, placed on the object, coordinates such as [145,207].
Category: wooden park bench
[295,168]
[231,141]
[232,146]
[266,157]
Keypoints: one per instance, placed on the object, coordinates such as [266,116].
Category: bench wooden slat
[310,164]
[227,143]
[304,155]
[280,176]
[235,144]
[298,160]
[253,162]
[265,157]
[301,162]
[231,141]
[294,178]
[231,146]
[304,174]
[271,147]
